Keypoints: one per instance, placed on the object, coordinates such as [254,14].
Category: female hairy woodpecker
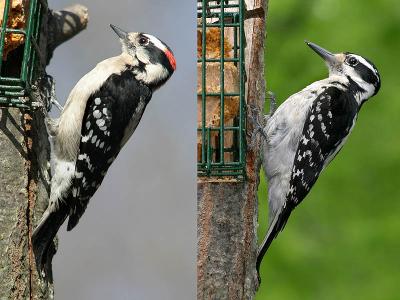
[307,131]
[101,113]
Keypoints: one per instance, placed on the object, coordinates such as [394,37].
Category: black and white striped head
[153,60]
[355,68]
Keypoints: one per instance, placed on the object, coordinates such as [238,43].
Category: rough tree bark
[25,170]
[227,211]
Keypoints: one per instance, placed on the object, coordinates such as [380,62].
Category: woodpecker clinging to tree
[306,132]
[101,113]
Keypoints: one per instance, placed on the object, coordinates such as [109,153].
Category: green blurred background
[343,241]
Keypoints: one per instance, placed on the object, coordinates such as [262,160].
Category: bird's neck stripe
[367,64]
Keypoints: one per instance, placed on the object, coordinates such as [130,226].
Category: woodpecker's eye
[143,41]
[352,61]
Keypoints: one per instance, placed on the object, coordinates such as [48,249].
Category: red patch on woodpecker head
[171,58]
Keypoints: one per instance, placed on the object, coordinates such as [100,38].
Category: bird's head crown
[355,68]
[152,58]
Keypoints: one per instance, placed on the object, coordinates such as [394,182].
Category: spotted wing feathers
[327,124]
[94,158]
[108,112]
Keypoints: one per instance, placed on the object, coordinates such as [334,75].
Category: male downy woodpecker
[101,113]
[306,132]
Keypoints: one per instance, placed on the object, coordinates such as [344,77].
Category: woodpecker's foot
[57,104]
[272,106]
[49,91]
[254,117]
[272,102]
[51,126]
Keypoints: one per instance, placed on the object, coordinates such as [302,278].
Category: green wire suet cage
[221,89]
[19,49]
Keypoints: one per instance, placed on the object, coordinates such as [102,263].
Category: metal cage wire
[218,156]
[15,91]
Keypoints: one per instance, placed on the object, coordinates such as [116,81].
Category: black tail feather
[276,226]
[43,243]
[72,221]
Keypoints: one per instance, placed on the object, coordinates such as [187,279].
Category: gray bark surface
[227,211]
[25,171]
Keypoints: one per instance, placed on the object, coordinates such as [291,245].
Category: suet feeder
[221,89]
[19,49]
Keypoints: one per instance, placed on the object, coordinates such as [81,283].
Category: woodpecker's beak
[121,33]
[330,58]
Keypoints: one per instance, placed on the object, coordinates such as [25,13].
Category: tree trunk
[227,211]
[25,171]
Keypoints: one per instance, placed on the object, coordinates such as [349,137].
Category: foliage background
[343,241]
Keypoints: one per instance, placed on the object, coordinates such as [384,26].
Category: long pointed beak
[329,57]
[121,33]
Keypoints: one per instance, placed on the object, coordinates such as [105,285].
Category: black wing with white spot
[108,112]
[326,127]
[329,121]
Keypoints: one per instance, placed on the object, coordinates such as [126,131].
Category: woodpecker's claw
[254,118]
[272,102]
[50,93]
[57,104]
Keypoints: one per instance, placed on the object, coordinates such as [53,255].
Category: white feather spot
[85,138]
[82,156]
[305,140]
[323,127]
[100,122]
[291,189]
[94,139]
[298,173]
[97,114]
[97,101]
